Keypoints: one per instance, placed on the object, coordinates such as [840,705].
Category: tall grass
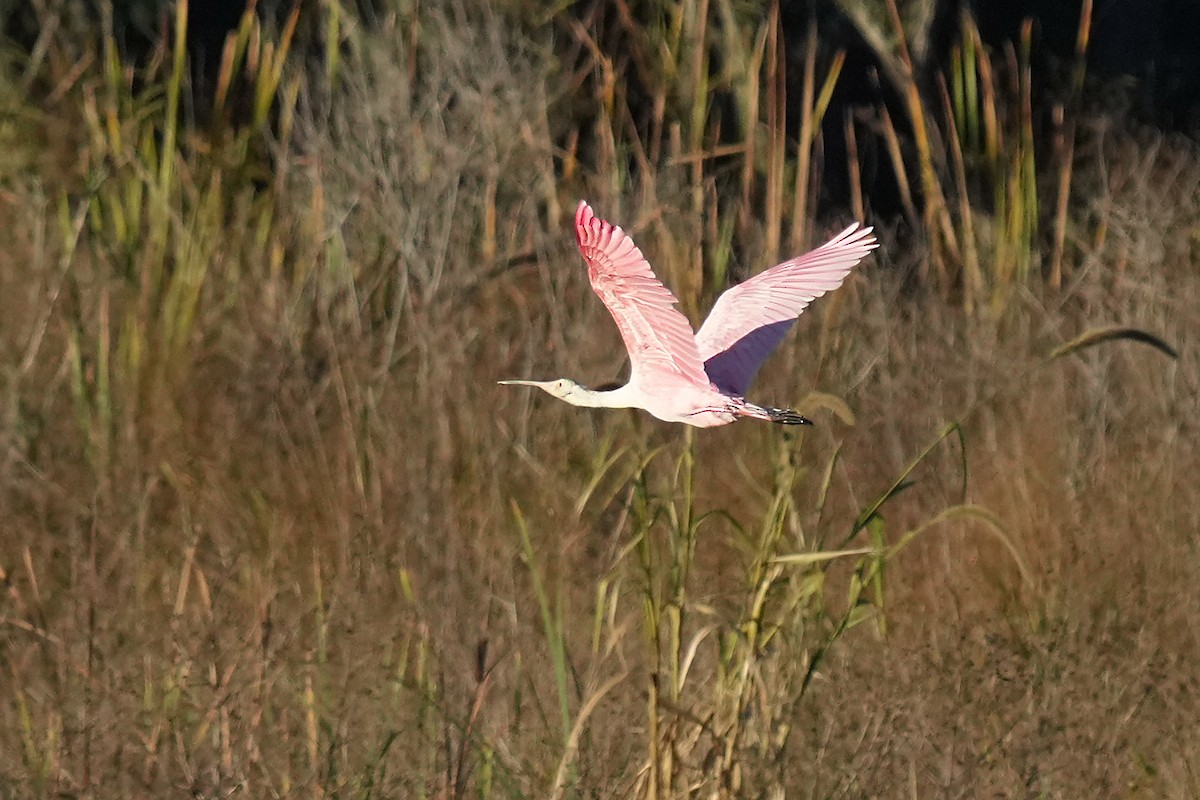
[270,529]
[965,159]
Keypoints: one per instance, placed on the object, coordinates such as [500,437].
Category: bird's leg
[785,416]
[782,416]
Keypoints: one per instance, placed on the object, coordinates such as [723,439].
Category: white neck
[615,398]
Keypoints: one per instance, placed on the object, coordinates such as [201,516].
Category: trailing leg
[782,416]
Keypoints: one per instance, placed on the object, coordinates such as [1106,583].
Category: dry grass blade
[1066,143]
[815,400]
[804,559]
[1095,336]
[901,481]
[991,523]
[561,776]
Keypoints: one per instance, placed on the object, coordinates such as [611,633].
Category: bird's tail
[782,416]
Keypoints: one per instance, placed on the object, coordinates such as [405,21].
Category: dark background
[1147,48]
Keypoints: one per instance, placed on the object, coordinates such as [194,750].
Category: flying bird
[698,378]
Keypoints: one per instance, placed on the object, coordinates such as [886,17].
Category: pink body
[699,378]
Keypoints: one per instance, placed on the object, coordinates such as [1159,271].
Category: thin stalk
[808,178]
[804,146]
[972,278]
[1066,148]
[552,625]
[652,627]
[684,541]
[776,136]
[854,169]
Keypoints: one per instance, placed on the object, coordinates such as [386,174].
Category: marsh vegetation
[268,527]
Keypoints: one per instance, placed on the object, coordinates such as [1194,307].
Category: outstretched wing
[657,335]
[750,320]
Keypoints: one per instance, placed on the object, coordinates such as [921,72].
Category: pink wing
[657,335]
[750,320]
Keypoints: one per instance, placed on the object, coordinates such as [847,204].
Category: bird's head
[562,388]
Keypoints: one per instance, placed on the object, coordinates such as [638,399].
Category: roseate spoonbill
[699,379]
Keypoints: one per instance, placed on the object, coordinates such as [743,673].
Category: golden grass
[270,527]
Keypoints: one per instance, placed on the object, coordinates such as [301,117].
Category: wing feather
[657,335]
[750,320]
